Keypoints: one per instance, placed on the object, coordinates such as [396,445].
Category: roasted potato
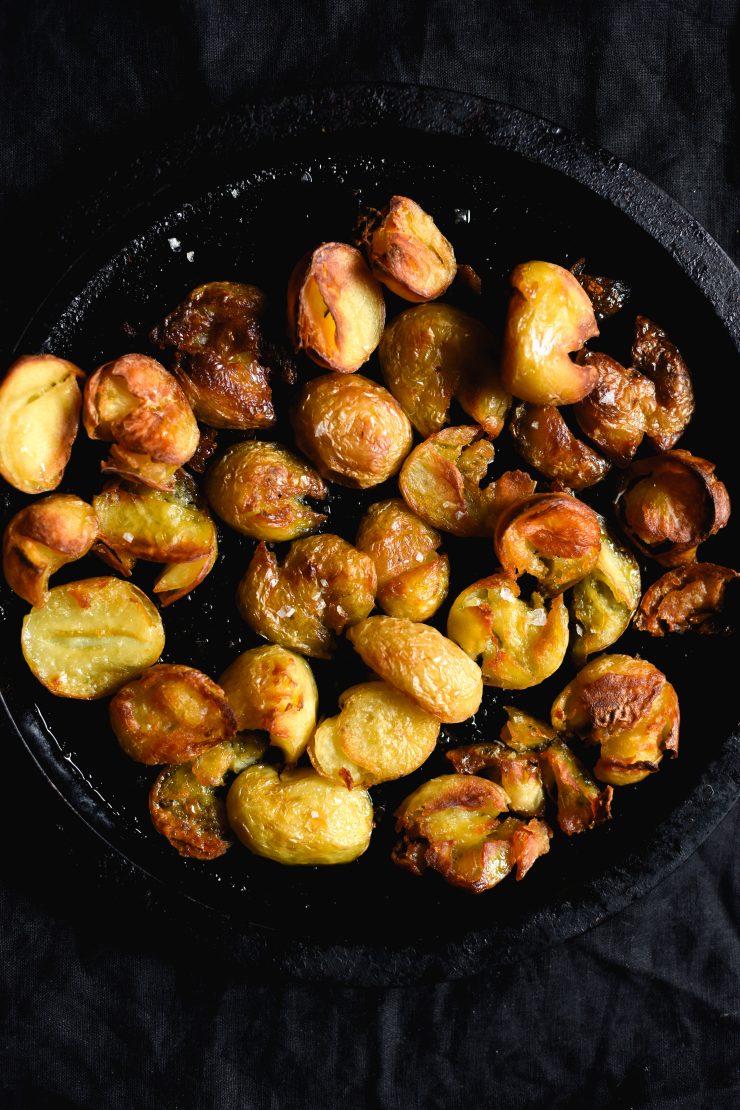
[171,714]
[215,340]
[336,310]
[272,689]
[189,813]
[408,252]
[552,536]
[260,489]
[617,411]
[607,295]
[687,598]
[229,757]
[550,316]
[524,733]
[44,537]
[40,404]
[441,482]
[670,504]
[604,601]
[178,579]
[629,708]
[545,441]
[518,643]
[581,804]
[422,663]
[656,357]
[412,576]
[324,585]
[453,825]
[352,429]
[298,817]
[91,637]
[135,403]
[517,772]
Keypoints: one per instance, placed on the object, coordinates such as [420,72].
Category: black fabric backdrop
[105,1001]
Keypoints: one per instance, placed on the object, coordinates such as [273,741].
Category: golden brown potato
[171,714]
[91,637]
[178,579]
[44,537]
[518,643]
[260,490]
[441,482]
[215,339]
[324,585]
[409,253]
[670,504]
[524,733]
[40,404]
[628,707]
[550,316]
[336,310]
[230,757]
[607,295]
[412,576]
[604,601]
[273,690]
[352,429]
[298,817]
[687,598]
[453,825]
[618,409]
[552,536]
[545,441]
[331,761]
[135,403]
[517,772]
[422,663]
[189,813]
[581,805]
[656,357]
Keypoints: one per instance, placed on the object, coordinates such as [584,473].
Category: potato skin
[604,602]
[546,442]
[189,814]
[616,412]
[659,360]
[581,804]
[384,731]
[517,773]
[352,429]
[42,538]
[688,598]
[552,536]
[421,663]
[298,817]
[408,252]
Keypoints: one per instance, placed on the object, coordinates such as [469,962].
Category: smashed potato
[517,772]
[40,404]
[524,733]
[655,356]
[409,253]
[324,585]
[91,637]
[189,814]
[44,537]
[616,412]
[352,429]
[550,316]
[581,804]
[298,817]
[604,601]
[229,757]
[607,295]
[689,597]
[422,663]
[178,579]
[336,310]
[552,536]
[545,441]
[260,489]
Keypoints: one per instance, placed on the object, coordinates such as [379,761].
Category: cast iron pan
[242,199]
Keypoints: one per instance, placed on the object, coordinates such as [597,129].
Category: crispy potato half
[44,537]
[324,585]
[604,602]
[581,804]
[171,714]
[616,413]
[190,814]
[517,772]
[607,295]
[40,404]
[550,316]
[688,598]
[421,663]
[178,579]
[552,536]
[298,817]
[659,360]
[524,733]
[228,757]
[273,690]
[336,310]
[352,429]
[260,489]
[545,441]
[215,339]
[408,252]
[91,637]
[519,643]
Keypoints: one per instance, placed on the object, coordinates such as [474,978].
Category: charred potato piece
[324,585]
[171,714]
[656,357]
[229,757]
[617,411]
[549,317]
[44,537]
[519,643]
[687,598]
[629,708]
[604,602]
[552,536]
[91,637]
[607,295]
[441,482]
[336,310]
[670,504]
[524,733]
[189,813]
[260,489]
[274,690]
[352,429]
[421,663]
[517,772]
[545,441]
[409,253]
[40,404]
[412,576]
[215,339]
[581,804]
[453,825]
[298,817]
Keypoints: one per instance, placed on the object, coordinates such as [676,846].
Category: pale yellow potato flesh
[383,730]
[328,758]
